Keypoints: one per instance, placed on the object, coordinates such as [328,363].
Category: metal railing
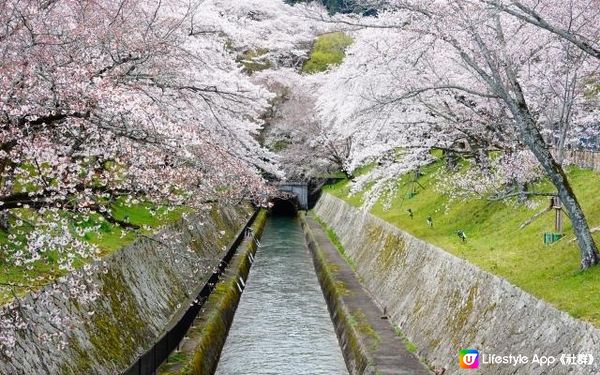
[148,362]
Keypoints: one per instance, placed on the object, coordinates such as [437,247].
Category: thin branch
[521,193]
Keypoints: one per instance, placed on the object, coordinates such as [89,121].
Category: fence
[583,159]
[148,362]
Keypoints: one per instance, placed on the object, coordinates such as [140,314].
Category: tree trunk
[451,160]
[522,189]
[513,96]
[482,160]
[4,222]
[533,139]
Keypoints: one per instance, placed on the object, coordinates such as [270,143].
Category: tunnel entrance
[284,206]
[297,189]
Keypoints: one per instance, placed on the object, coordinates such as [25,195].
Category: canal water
[282,325]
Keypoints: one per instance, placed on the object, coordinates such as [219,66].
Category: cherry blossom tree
[273,40]
[115,101]
[269,33]
[573,20]
[99,104]
[452,69]
[307,150]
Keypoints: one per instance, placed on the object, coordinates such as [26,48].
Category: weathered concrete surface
[299,189]
[144,287]
[204,341]
[444,304]
[369,343]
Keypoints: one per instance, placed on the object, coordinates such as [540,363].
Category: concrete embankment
[143,288]
[200,352]
[369,343]
[444,304]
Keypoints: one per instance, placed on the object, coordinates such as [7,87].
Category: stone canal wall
[143,288]
[201,351]
[370,345]
[444,304]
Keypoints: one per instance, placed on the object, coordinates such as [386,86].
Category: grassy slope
[109,239]
[138,214]
[328,50]
[495,242]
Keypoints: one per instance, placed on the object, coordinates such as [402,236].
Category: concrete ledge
[200,352]
[369,343]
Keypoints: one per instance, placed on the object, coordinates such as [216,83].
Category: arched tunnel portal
[293,197]
[284,206]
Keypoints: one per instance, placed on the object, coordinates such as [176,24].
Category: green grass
[280,145]
[111,237]
[108,239]
[496,244]
[410,346]
[328,50]
[336,242]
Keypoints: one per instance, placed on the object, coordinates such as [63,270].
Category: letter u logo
[469,358]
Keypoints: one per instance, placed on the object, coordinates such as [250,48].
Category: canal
[282,325]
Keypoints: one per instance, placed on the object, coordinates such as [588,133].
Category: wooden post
[558,224]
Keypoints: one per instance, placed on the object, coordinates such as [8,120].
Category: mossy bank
[143,287]
[444,304]
[369,344]
[201,351]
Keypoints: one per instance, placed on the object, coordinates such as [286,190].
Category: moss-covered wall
[143,289]
[216,320]
[444,304]
[353,342]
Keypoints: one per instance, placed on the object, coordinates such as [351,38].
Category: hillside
[494,240]
[20,279]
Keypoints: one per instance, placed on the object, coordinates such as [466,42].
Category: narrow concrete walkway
[389,354]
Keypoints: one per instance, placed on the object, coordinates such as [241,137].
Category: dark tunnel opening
[284,206]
